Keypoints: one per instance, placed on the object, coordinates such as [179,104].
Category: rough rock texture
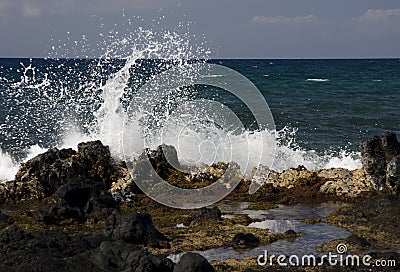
[380,159]
[193,262]
[393,175]
[81,201]
[335,181]
[205,214]
[375,219]
[41,176]
[245,240]
[163,161]
[56,251]
[73,221]
[343,182]
[134,228]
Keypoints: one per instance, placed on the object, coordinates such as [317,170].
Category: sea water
[322,108]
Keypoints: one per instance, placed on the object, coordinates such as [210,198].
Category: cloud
[283,20]
[4,5]
[29,10]
[379,14]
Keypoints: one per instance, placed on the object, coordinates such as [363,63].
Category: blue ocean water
[323,106]
[332,103]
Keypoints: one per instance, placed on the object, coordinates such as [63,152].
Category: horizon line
[225,58]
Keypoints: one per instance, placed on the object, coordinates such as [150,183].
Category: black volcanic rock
[71,191]
[205,215]
[380,159]
[393,175]
[134,228]
[162,161]
[56,251]
[41,176]
[193,262]
[245,240]
[121,256]
[82,201]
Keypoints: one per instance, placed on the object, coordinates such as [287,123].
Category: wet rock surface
[205,214]
[41,176]
[81,201]
[245,240]
[64,209]
[57,251]
[133,228]
[381,160]
[193,262]
[375,219]
[61,216]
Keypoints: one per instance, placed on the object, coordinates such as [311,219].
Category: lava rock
[205,214]
[378,159]
[122,256]
[245,240]
[134,228]
[193,262]
[4,220]
[81,201]
[41,176]
[162,161]
[393,175]
[56,251]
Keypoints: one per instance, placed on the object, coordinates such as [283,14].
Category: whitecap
[212,76]
[8,168]
[317,79]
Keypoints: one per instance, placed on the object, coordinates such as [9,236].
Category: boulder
[121,256]
[193,262]
[163,161]
[136,228]
[41,176]
[379,161]
[393,175]
[81,201]
[205,215]
[343,182]
[245,240]
[56,251]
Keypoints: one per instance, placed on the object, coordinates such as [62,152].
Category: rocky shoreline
[70,210]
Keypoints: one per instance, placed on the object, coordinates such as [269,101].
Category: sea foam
[110,120]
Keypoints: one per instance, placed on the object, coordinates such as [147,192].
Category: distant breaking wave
[317,79]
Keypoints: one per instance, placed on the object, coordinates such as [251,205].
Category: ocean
[322,109]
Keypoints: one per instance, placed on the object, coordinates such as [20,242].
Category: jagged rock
[81,201]
[121,256]
[336,181]
[163,161]
[343,182]
[4,220]
[134,228]
[393,175]
[377,155]
[205,214]
[121,189]
[193,262]
[56,251]
[375,218]
[245,240]
[41,176]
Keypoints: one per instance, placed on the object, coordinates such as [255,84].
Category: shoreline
[75,193]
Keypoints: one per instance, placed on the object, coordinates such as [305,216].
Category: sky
[232,28]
